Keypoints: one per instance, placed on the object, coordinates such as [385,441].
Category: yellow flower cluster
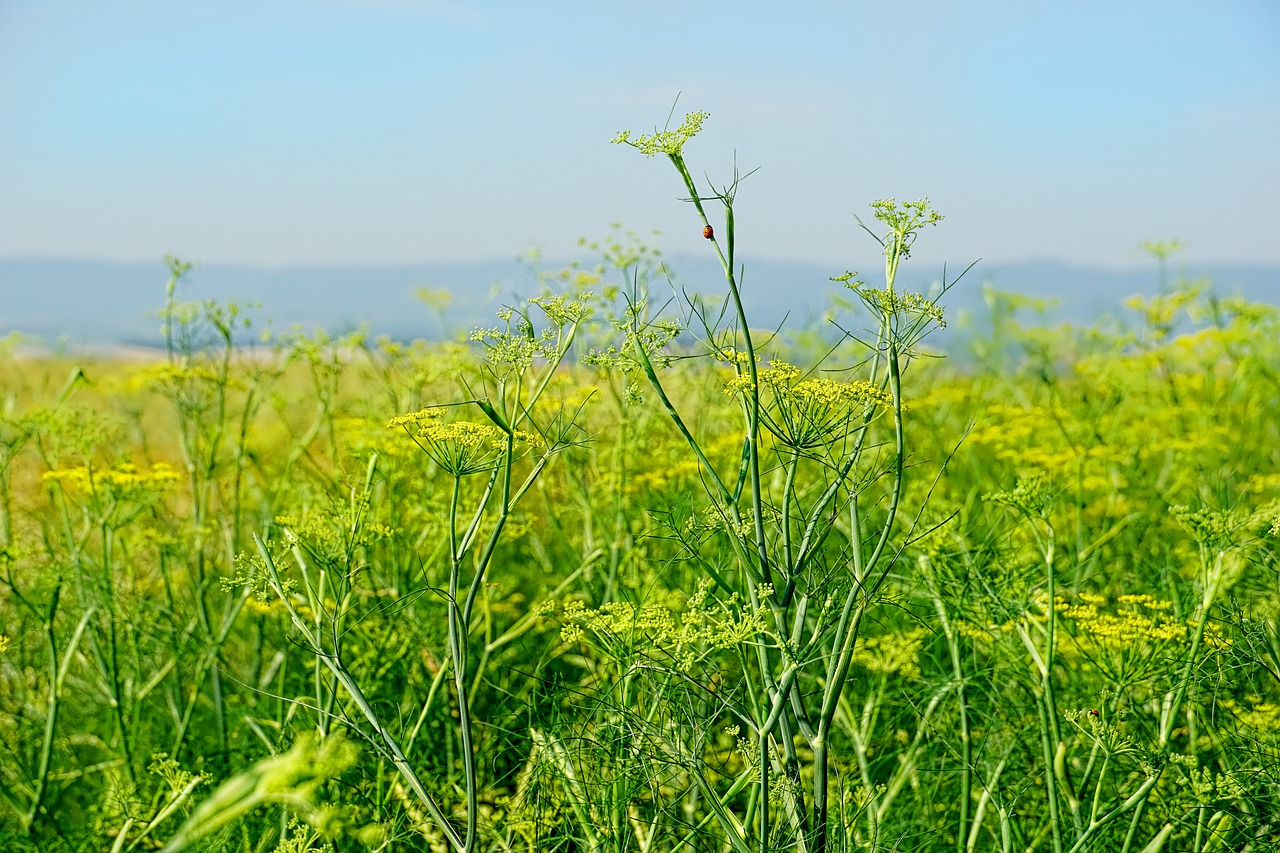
[466,434]
[617,618]
[665,629]
[1143,600]
[460,447]
[264,607]
[4,642]
[430,424]
[1032,439]
[1262,484]
[1206,438]
[666,465]
[174,375]
[1121,629]
[1136,620]
[732,355]
[806,413]
[829,392]
[1264,717]
[942,392]
[123,479]
[780,378]
[341,528]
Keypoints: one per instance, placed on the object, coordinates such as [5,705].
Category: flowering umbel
[460,447]
[667,142]
[808,413]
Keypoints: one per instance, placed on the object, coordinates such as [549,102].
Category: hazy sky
[280,132]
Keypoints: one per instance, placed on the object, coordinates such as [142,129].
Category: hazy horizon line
[197,263]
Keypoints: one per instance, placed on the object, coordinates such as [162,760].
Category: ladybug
[1093,712]
[709,232]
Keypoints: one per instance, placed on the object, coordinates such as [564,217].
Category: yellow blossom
[460,447]
[121,480]
[813,412]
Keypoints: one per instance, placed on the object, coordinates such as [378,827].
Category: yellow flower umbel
[809,413]
[118,493]
[676,630]
[1131,637]
[460,447]
[121,479]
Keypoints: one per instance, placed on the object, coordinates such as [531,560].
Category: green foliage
[622,574]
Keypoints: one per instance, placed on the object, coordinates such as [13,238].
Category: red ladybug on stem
[709,232]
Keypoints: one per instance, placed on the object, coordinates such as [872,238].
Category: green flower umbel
[667,142]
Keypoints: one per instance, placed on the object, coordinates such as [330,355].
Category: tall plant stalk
[802,659]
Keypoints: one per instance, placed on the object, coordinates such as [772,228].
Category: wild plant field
[626,573]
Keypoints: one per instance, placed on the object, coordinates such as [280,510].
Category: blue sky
[284,132]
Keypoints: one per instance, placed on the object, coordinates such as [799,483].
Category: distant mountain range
[76,303]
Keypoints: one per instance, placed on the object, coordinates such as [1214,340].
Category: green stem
[753,396]
[51,719]
[343,677]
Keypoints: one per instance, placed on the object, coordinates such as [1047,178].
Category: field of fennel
[625,573]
